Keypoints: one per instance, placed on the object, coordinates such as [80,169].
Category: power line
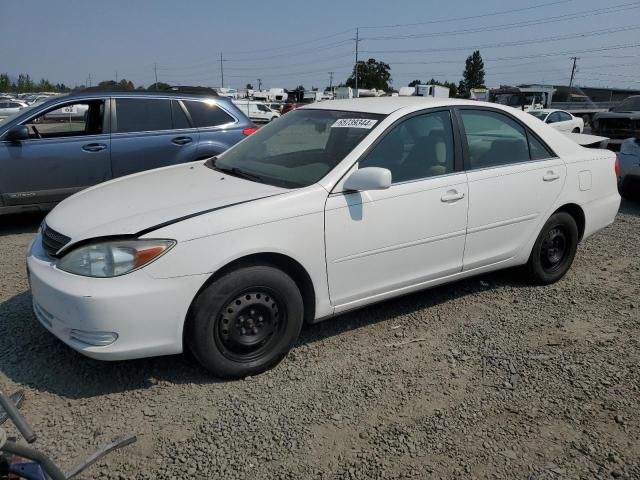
[306,42]
[557,38]
[471,17]
[508,26]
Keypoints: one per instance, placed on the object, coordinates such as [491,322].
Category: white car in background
[10,107]
[68,113]
[335,206]
[560,120]
[257,112]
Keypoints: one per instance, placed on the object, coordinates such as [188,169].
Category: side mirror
[17,133]
[369,178]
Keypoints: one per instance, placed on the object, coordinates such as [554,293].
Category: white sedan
[335,206]
[560,120]
[10,107]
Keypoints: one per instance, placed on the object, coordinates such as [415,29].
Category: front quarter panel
[290,224]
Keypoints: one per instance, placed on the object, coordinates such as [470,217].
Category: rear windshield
[299,148]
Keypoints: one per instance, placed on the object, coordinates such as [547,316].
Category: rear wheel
[246,321]
[554,250]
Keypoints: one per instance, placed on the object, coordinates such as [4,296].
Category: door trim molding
[502,223]
[400,246]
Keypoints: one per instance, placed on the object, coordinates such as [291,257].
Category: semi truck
[577,101]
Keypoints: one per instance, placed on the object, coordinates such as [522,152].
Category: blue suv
[54,149]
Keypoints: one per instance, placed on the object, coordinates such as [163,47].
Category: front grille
[52,241]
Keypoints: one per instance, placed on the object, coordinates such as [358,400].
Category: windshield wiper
[235,171]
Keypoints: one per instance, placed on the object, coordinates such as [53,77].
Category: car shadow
[31,356]
[15,224]
[630,207]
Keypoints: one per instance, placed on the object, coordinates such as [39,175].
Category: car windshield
[538,114]
[631,104]
[298,149]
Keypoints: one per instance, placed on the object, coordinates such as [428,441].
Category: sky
[289,43]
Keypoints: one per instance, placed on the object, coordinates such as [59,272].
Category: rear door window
[180,119]
[143,114]
[494,139]
[207,114]
[564,117]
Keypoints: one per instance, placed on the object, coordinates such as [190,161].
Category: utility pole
[155,71]
[573,73]
[357,41]
[89,79]
[221,72]
[259,84]
[116,76]
[331,81]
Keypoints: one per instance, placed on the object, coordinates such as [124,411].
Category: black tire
[576,130]
[245,322]
[554,250]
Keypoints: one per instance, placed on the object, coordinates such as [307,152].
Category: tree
[413,83]
[5,82]
[249,86]
[24,84]
[462,90]
[371,74]
[159,86]
[300,88]
[473,75]
[125,84]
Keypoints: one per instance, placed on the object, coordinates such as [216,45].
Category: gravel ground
[485,378]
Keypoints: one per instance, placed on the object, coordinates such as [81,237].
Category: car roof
[387,105]
[135,94]
[91,94]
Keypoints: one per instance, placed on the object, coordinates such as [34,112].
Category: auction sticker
[354,123]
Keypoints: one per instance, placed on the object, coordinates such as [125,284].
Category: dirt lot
[486,378]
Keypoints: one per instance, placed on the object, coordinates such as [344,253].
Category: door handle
[550,176]
[181,140]
[452,196]
[94,147]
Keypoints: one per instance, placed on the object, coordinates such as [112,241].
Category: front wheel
[576,130]
[245,322]
[554,250]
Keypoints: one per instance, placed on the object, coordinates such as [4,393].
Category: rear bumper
[600,213]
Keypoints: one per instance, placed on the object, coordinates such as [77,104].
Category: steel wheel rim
[554,249]
[249,324]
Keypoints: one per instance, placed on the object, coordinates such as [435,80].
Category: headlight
[111,259]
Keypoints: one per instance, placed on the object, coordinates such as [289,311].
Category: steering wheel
[35,130]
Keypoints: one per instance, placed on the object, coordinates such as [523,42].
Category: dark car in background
[50,151]
[620,123]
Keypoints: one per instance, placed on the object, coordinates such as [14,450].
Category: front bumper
[131,316]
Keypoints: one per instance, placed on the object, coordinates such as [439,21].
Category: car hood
[141,202]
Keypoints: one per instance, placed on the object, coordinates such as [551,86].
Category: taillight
[248,131]
[617,166]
